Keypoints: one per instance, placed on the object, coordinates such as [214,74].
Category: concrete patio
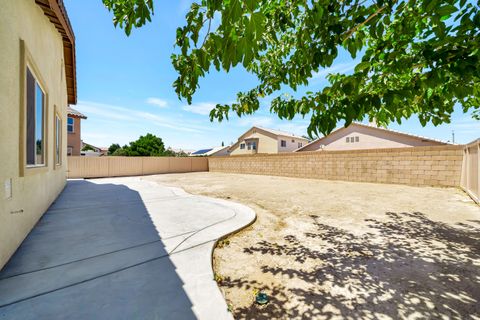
[121,248]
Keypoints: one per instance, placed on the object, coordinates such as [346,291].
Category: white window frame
[57,148]
[44,120]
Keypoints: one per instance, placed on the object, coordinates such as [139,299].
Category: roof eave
[57,14]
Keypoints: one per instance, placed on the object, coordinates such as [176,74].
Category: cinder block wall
[419,166]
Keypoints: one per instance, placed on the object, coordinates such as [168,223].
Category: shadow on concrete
[95,254]
[407,266]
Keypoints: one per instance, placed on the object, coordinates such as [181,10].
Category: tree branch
[373,15]
[208,32]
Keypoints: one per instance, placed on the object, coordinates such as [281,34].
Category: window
[35,143]
[254,145]
[283,143]
[357,138]
[293,141]
[300,144]
[70,125]
[348,139]
[242,145]
[69,151]
[58,140]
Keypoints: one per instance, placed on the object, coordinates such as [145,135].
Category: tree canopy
[417,57]
[145,146]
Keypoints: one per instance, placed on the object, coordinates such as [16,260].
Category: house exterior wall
[369,138]
[266,143]
[292,144]
[221,153]
[74,138]
[26,193]
[419,166]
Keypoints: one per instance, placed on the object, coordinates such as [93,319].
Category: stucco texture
[368,138]
[74,140]
[32,193]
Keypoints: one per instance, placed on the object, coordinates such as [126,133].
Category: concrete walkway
[121,248]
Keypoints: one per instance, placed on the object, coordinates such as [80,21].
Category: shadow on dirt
[406,266]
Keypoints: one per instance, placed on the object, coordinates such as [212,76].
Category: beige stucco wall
[33,193]
[292,144]
[369,138]
[267,143]
[74,138]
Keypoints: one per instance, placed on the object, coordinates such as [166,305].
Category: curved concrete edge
[193,258]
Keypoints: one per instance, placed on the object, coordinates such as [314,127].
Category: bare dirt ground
[340,250]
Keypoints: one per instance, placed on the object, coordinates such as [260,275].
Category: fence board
[470,170]
[96,167]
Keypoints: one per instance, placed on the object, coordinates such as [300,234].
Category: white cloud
[250,121]
[108,112]
[202,108]
[157,102]
[336,68]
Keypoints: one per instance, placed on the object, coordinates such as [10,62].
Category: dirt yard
[340,250]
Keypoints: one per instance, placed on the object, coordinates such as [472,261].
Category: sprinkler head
[261,298]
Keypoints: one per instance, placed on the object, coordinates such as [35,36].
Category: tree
[417,57]
[88,147]
[121,152]
[146,146]
[113,147]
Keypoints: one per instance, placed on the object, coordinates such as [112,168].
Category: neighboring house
[90,150]
[263,140]
[74,130]
[37,82]
[359,136]
[179,150]
[211,152]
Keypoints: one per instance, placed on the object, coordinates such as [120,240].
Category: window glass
[254,145]
[357,138]
[242,146]
[70,124]
[283,143]
[348,139]
[35,142]
[299,144]
[39,141]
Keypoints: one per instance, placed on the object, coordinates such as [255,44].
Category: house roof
[279,133]
[377,128]
[56,12]
[208,152]
[201,152]
[75,113]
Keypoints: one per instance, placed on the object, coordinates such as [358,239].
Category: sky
[124,87]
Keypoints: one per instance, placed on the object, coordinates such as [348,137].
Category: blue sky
[125,87]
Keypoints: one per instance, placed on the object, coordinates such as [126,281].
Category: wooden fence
[96,167]
[470,181]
